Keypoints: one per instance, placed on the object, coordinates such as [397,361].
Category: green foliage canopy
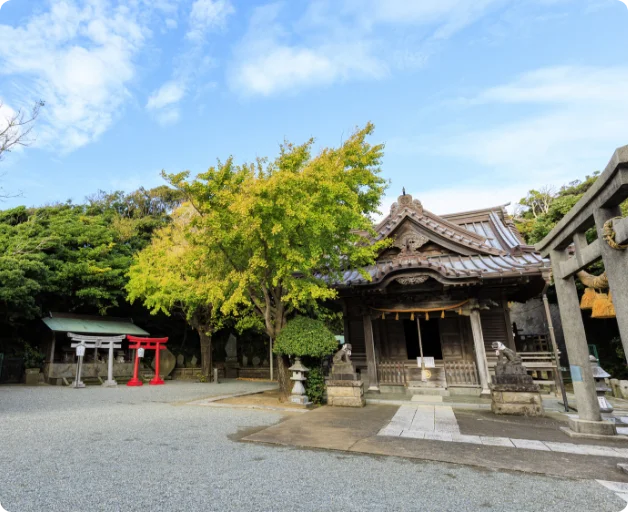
[280,231]
[68,257]
[303,336]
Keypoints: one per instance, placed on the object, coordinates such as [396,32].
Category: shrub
[315,384]
[305,337]
[33,358]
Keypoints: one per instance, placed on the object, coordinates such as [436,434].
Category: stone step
[427,398]
[426,391]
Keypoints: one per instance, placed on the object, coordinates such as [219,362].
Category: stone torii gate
[599,208]
[96,342]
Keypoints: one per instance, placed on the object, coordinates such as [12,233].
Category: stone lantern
[298,376]
[600,385]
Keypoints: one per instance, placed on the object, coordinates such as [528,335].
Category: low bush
[305,337]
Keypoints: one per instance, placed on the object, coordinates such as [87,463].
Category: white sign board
[429,362]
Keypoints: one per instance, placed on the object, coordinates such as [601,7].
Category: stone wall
[530,319]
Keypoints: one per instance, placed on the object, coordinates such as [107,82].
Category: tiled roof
[490,247]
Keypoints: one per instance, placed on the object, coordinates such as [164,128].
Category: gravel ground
[142,449]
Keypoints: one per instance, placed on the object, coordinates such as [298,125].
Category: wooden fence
[461,373]
[391,373]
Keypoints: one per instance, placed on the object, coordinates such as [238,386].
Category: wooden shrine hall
[437,299]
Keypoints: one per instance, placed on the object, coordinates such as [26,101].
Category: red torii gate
[156,344]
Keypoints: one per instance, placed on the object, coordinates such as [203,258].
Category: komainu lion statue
[343,355]
[505,355]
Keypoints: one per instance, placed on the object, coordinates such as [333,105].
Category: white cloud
[168,116]
[169,93]
[6,113]
[561,84]
[79,58]
[207,15]
[2,2]
[461,198]
[575,118]
[284,68]
[341,40]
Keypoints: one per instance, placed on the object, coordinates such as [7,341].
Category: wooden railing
[532,343]
[461,373]
[391,373]
[542,367]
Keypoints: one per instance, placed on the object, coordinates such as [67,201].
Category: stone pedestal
[511,399]
[345,393]
[31,376]
[513,391]
[343,387]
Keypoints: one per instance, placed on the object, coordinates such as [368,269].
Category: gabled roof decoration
[408,208]
[478,245]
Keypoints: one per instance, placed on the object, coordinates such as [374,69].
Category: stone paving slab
[438,423]
[619,488]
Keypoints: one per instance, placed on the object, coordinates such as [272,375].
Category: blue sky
[476,101]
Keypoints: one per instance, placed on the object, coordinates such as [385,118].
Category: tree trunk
[206,353]
[283,376]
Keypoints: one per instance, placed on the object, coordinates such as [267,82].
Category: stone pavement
[438,422]
[357,430]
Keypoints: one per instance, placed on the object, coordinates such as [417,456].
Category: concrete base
[109,384]
[453,391]
[585,429]
[345,393]
[300,400]
[517,403]
[385,388]
[593,437]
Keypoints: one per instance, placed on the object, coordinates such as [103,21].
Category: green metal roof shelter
[87,324]
[60,365]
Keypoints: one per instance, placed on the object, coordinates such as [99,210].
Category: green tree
[283,230]
[173,276]
[542,209]
[68,257]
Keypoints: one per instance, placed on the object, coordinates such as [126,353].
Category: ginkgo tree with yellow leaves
[174,276]
[273,235]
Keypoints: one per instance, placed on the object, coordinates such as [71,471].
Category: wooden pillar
[616,266]
[369,342]
[345,318]
[576,342]
[480,351]
[510,342]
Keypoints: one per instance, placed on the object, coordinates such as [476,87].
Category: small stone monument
[343,387]
[298,395]
[599,375]
[167,362]
[180,361]
[513,391]
[231,359]
[194,362]
[256,361]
